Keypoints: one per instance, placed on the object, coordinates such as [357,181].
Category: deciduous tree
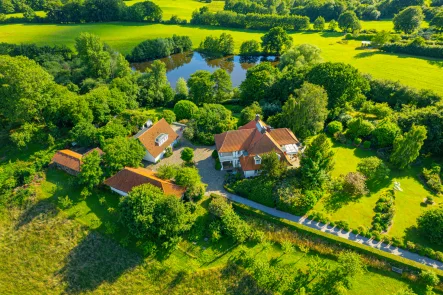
[408,20]
[301,55]
[305,115]
[276,41]
[317,162]
[407,146]
[91,173]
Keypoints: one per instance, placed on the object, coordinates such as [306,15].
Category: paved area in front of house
[203,161]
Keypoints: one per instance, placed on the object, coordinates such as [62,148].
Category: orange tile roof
[128,178]
[68,158]
[148,137]
[283,136]
[255,142]
[234,140]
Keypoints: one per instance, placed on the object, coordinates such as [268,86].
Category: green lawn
[408,203]
[413,71]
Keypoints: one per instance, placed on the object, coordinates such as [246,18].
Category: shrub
[433,179]
[218,165]
[385,209]
[168,152]
[256,189]
[185,109]
[344,225]
[65,202]
[373,168]
[359,128]
[334,127]
[295,201]
[367,144]
[429,278]
[430,225]
[214,154]
[187,154]
[169,116]
[354,184]
[357,141]
[232,224]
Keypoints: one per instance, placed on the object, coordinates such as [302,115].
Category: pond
[185,64]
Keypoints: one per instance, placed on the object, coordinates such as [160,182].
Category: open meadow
[413,71]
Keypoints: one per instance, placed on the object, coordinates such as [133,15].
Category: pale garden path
[328,229]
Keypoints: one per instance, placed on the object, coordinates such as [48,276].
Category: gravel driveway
[203,160]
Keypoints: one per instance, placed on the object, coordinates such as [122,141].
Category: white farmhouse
[243,148]
[156,139]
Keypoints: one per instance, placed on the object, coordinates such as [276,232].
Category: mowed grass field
[413,71]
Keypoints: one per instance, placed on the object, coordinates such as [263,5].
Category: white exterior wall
[121,193]
[250,173]
[148,157]
[234,158]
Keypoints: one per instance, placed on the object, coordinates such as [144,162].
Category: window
[257,160]
[161,139]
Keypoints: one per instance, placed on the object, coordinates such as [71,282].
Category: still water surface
[185,64]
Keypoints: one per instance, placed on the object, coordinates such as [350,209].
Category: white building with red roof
[243,148]
[156,139]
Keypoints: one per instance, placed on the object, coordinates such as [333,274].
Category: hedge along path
[356,242]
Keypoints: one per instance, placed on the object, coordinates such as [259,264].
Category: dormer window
[257,160]
[161,139]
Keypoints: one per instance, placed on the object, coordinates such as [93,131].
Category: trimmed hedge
[435,51]
[255,189]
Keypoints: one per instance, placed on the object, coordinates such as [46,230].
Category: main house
[70,161]
[156,139]
[125,180]
[244,148]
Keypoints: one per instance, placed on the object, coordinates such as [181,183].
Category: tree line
[329,10]
[248,21]
[90,11]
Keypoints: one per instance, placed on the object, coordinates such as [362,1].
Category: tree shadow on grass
[366,54]
[240,282]
[337,200]
[95,260]
[438,63]
[41,210]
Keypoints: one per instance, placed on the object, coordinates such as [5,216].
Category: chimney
[257,117]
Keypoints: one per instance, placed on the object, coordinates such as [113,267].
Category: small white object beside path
[331,230]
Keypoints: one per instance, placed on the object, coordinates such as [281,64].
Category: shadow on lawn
[95,260]
[41,210]
[366,54]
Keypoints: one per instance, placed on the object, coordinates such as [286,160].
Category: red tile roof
[148,137]
[255,142]
[68,158]
[128,178]
[71,159]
